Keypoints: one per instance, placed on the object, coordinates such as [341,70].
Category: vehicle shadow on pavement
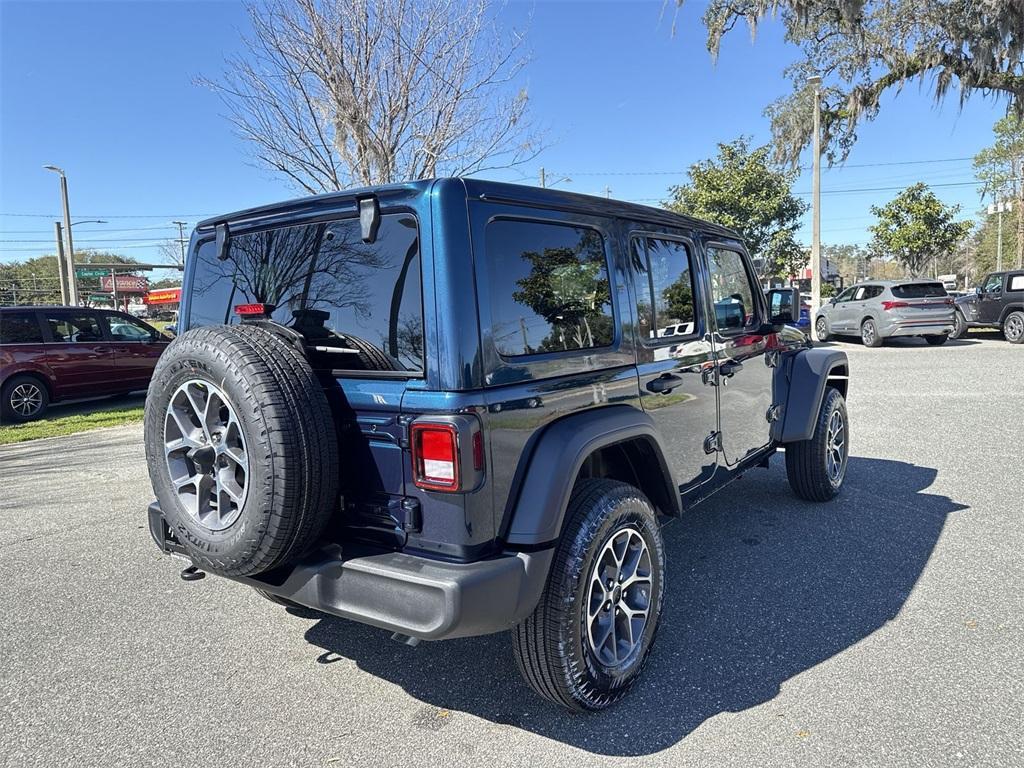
[761,587]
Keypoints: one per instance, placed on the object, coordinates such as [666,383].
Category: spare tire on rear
[241,448]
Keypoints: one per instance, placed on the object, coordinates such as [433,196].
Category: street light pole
[815,82]
[73,297]
[62,267]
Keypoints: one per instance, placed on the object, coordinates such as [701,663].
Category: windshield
[321,279]
[918,291]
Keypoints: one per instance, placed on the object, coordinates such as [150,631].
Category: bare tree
[335,93]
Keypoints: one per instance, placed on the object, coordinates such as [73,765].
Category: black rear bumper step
[415,596]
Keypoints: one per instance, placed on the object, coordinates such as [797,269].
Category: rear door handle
[729,367]
[664,383]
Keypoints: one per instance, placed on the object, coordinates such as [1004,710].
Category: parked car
[882,309]
[459,421]
[997,303]
[49,354]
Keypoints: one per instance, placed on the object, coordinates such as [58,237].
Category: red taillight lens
[435,457]
[248,310]
[887,305]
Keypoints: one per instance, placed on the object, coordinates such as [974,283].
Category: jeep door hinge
[713,442]
[774,411]
[413,517]
[403,424]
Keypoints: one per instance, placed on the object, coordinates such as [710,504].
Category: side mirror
[783,306]
[979,290]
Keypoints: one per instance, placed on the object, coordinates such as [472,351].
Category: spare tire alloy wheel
[206,456]
[241,449]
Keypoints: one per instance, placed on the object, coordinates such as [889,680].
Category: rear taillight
[888,305]
[435,457]
[252,310]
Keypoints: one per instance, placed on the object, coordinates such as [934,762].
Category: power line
[113,216]
[104,230]
[802,167]
[155,241]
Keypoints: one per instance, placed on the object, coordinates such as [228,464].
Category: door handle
[729,367]
[664,383]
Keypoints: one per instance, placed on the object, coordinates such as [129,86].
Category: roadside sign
[82,272]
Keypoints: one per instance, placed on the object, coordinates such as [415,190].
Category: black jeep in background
[456,407]
[997,303]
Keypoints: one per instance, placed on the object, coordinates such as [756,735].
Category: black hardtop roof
[483,189]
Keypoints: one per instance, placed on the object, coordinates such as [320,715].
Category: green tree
[36,280]
[1000,168]
[865,48]
[985,246]
[568,288]
[741,189]
[678,300]
[916,228]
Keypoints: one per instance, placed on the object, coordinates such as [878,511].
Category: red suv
[60,353]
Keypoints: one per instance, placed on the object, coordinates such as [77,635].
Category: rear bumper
[918,328]
[417,596]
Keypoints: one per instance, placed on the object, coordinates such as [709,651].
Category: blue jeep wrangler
[455,407]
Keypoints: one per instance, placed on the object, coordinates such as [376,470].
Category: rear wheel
[24,398]
[869,334]
[959,326]
[1013,327]
[936,341]
[589,637]
[816,467]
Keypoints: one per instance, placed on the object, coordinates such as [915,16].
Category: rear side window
[664,289]
[322,280]
[74,329]
[1017,283]
[918,291]
[20,328]
[549,289]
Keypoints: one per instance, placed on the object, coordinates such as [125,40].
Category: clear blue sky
[105,90]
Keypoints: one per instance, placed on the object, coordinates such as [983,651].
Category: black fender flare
[539,510]
[1009,309]
[802,380]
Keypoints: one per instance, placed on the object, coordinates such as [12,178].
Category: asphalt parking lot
[885,628]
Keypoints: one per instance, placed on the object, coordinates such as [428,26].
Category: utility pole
[815,82]
[113,285]
[542,178]
[73,297]
[62,267]
[607,191]
[999,209]
[181,229]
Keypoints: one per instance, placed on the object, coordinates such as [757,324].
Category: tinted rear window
[325,282]
[549,289]
[918,291]
[20,328]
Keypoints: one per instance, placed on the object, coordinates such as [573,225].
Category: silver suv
[883,308]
